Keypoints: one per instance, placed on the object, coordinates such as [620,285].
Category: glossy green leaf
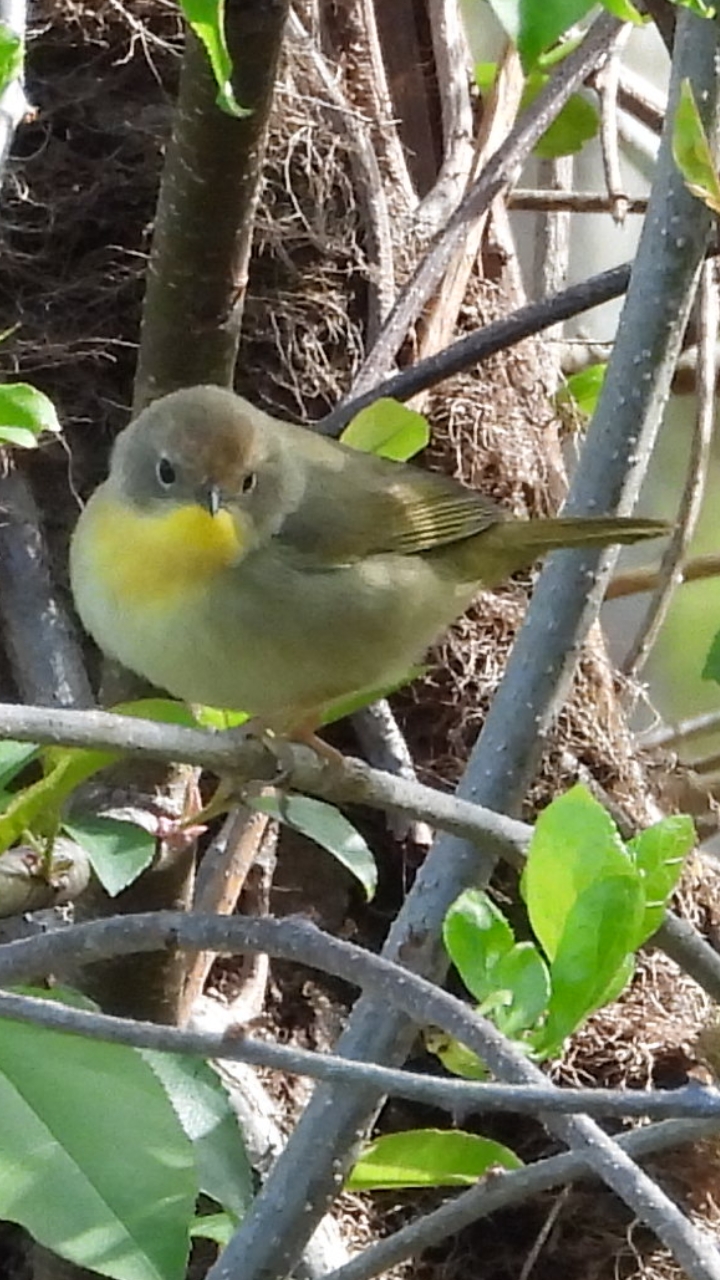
[11,56]
[524,978]
[24,414]
[93,1161]
[600,931]
[625,11]
[476,936]
[388,428]
[575,125]
[215,718]
[203,1108]
[692,152]
[534,27]
[428,1158]
[14,756]
[218,1227]
[118,851]
[574,845]
[660,854]
[329,828]
[583,388]
[207,20]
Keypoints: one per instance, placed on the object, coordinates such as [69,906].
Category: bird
[242,562]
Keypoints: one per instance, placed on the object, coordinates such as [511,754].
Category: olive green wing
[373,506]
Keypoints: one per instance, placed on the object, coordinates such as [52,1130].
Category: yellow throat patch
[153,559]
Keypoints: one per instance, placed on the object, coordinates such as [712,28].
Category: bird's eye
[165,472]
[248,482]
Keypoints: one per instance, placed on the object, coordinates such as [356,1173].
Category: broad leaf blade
[575,844]
[118,851]
[660,854]
[203,1109]
[428,1158]
[388,428]
[324,824]
[93,1162]
[476,935]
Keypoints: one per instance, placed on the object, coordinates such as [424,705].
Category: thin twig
[502,1191]
[219,882]
[351,781]
[369,186]
[545,201]
[670,571]
[499,171]
[457,1097]
[632,582]
[419,1000]
[674,735]
[498,336]
[606,84]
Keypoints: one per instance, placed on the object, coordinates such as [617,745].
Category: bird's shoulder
[357,505]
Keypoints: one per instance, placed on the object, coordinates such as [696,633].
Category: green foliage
[692,152]
[105,1149]
[324,824]
[11,56]
[388,428]
[203,1109]
[534,27]
[575,125]
[207,20]
[591,899]
[118,850]
[428,1158]
[24,414]
[583,389]
[93,1162]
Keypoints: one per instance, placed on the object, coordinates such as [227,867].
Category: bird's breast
[145,560]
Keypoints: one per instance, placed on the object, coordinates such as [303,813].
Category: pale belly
[273,639]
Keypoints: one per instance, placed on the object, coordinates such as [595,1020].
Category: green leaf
[711,670]
[118,851]
[575,125]
[388,428]
[14,756]
[584,388]
[455,1057]
[476,935]
[11,56]
[692,152]
[203,1108]
[218,1227]
[428,1158]
[207,20]
[93,1162]
[324,824]
[660,854]
[24,414]
[600,932]
[533,27]
[575,844]
[216,718]
[625,11]
[523,975]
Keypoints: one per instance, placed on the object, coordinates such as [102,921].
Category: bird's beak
[213,500]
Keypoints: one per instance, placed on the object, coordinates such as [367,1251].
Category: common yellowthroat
[243,562]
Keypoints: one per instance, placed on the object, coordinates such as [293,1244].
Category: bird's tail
[511,545]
